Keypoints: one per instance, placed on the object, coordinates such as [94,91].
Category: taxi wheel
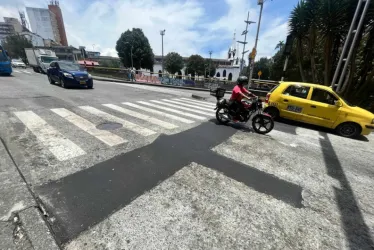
[273,112]
[349,130]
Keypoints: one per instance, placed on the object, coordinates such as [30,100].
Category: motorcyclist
[238,93]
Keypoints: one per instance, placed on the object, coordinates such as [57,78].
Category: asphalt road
[127,166]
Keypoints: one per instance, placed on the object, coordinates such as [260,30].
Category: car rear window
[274,88]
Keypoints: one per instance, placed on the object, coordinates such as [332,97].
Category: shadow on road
[356,231]
[295,124]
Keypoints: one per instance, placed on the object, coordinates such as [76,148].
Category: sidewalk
[21,223]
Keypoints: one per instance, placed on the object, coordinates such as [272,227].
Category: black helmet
[242,80]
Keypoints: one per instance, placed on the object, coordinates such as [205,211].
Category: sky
[192,26]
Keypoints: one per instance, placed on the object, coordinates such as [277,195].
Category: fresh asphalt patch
[83,199]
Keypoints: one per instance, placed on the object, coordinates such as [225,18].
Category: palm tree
[298,29]
[332,24]
[280,45]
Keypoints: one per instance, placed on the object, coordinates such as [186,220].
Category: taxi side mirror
[338,103]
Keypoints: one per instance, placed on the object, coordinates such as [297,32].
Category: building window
[224,73]
[218,74]
[230,77]
[159,73]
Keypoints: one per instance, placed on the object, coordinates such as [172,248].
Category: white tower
[233,52]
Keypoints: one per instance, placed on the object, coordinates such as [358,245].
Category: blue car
[69,74]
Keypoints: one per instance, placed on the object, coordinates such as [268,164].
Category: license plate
[295,109]
[83,82]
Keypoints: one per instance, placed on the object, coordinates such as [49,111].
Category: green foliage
[142,53]
[319,28]
[173,62]
[264,65]
[110,63]
[15,45]
[196,65]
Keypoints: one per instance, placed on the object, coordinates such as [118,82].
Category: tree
[280,45]
[15,45]
[173,62]
[264,65]
[196,65]
[142,54]
[299,29]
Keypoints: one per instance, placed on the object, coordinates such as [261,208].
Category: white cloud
[102,22]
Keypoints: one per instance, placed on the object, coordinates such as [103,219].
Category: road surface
[126,166]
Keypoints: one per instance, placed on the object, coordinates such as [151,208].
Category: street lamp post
[261,3]
[132,62]
[210,60]
[162,33]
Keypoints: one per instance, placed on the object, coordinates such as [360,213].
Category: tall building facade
[56,10]
[40,22]
[55,29]
[15,23]
[6,29]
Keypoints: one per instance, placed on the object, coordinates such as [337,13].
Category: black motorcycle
[262,123]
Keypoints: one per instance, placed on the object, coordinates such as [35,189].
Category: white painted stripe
[183,108]
[188,105]
[26,72]
[104,136]
[154,111]
[61,147]
[205,104]
[16,71]
[141,116]
[126,124]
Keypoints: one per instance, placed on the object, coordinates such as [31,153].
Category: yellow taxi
[318,105]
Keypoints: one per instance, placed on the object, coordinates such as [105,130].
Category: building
[6,29]
[56,10]
[41,22]
[55,29]
[35,39]
[66,52]
[91,54]
[15,23]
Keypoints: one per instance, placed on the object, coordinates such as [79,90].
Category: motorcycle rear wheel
[262,121]
[219,115]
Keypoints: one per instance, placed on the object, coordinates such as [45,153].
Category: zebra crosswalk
[22,71]
[139,118]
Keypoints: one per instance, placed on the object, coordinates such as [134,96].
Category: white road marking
[61,147]
[180,112]
[153,111]
[24,71]
[205,104]
[16,71]
[128,125]
[189,105]
[184,108]
[147,118]
[104,136]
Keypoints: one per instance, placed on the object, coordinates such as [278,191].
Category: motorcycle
[262,123]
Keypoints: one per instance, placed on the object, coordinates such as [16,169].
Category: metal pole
[346,44]
[258,31]
[210,60]
[162,32]
[132,62]
[245,40]
[284,68]
[340,83]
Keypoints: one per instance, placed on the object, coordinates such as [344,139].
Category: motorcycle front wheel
[262,124]
[222,115]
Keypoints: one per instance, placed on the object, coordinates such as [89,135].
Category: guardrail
[259,86]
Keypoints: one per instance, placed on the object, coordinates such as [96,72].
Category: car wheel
[50,80]
[90,86]
[349,130]
[273,112]
[62,83]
